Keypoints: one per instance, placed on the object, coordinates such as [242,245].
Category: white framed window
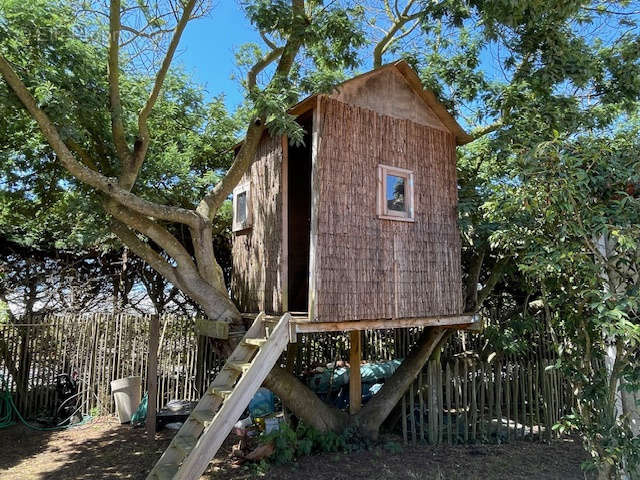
[395,193]
[242,218]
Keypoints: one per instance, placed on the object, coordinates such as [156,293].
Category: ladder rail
[172,454]
[212,438]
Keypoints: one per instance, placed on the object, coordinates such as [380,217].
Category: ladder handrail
[210,439]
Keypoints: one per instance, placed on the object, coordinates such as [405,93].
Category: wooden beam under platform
[303,325]
[300,320]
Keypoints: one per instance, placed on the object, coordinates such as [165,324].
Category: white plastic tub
[127,393]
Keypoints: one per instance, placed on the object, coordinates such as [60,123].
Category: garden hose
[8,407]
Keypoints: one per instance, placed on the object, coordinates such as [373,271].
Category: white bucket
[127,393]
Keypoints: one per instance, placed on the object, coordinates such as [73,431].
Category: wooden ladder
[200,437]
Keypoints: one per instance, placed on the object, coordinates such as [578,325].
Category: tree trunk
[304,403]
[380,406]
[307,406]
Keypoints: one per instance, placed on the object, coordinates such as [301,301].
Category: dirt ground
[104,449]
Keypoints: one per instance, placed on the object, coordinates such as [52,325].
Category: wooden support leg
[152,374]
[355,381]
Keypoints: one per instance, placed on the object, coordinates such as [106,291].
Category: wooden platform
[301,323]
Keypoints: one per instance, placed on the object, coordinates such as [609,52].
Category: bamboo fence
[101,348]
[466,400]
[459,400]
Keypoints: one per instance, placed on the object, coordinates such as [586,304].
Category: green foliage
[304,440]
[330,35]
[393,447]
[60,55]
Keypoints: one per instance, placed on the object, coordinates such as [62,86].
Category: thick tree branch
[399,20]
[115,105]
[143,250]
[81,153]
[267,41]
[263,63]
[106,185]
[185,276]
[213,200]
[472,280]
[304,403]
[130,172]
[482,131]
[154,231]
[377,410]
[208,266]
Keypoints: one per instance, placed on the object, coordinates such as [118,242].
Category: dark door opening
[299,220]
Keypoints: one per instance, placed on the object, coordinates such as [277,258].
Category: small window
[241,207]
[395,193]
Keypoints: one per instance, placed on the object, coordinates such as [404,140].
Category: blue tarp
[371,373]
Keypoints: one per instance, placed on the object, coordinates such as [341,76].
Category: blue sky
[207,49]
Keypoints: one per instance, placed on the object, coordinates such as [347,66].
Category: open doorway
[299,219]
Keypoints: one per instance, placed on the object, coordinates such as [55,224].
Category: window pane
[241,207]
[395,193]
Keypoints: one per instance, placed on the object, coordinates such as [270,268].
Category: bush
[304,440]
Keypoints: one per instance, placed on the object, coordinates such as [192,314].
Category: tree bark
[307,406]
[380,406]
[304,403]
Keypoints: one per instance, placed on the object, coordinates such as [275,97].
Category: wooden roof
[413,81]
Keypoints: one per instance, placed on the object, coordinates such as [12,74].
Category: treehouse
[357,227]
[354,229]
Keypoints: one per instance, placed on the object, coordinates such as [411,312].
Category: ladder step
[204,417]
[185,443]
[166,472]
[240,367]
[273,319]
[255,342]
[222,392]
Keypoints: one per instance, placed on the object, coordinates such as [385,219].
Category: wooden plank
[306,326]
[152,374]
[457,397]
[508,398]
[213,329]
[283,270]
[211,440]
[440,401]
[465,400]
[211,402]
[355,380]
[530,399]
[474,404]
[499,398]
[421,388]
[316,130]
[516,399]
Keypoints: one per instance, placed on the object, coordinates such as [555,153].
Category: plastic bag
[140,415]
[262,403]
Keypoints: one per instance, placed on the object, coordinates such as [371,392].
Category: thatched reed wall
[257,252]
[370,268]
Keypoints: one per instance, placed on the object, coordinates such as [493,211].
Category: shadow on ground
[104,449]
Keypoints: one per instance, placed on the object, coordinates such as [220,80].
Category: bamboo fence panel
[99,348]
[458,400]
[470,401]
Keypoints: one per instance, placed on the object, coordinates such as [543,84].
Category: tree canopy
[102,141]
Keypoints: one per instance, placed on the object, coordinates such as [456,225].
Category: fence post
[152,374]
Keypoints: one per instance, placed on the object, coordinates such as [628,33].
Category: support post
[152,374]
[355,381]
